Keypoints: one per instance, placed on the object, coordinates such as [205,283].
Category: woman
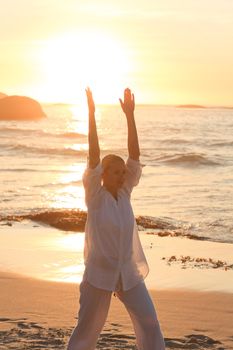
[113,255]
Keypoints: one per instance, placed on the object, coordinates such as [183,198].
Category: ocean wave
[222,144]
[47,151]
[187,159]
[41,133]
[68,151]
[72,135]
[59,184]
[176,141]
[18,170]
[30,170]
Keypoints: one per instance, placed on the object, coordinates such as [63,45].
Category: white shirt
[112,246]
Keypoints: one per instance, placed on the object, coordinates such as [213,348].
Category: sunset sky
[167,51]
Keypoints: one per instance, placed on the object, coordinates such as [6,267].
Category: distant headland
[20,108]
[190,106]
[2,95]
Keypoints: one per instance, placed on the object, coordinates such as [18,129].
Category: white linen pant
[93,311]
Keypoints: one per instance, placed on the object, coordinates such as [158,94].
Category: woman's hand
[129,104]
[90,101]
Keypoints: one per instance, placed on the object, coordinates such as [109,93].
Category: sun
[74,61]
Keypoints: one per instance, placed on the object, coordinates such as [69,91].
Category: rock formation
[20,108]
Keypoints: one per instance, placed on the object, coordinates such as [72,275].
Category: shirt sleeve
[91,182]
[133,174]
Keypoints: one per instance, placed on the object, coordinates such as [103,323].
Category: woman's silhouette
[113,255]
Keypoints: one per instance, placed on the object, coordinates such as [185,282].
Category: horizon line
[182,105]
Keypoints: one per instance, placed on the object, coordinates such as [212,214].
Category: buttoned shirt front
[112,247]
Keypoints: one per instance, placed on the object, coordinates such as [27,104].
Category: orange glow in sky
[168,52]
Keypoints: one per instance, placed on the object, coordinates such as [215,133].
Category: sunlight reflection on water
[72,195]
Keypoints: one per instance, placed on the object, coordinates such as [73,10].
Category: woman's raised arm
[94,149]
[128,106]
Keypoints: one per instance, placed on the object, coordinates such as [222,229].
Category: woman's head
[114,171]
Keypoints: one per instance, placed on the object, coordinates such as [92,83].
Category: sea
[187,154]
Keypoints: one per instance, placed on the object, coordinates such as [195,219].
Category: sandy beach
[190,282]
[37,314]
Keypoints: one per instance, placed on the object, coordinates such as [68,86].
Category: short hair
[109,159]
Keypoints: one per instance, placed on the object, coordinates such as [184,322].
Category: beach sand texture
[37,314]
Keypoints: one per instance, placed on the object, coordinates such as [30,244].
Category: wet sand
[41,251]
[36,314]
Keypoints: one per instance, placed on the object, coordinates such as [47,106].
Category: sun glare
[73,61]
